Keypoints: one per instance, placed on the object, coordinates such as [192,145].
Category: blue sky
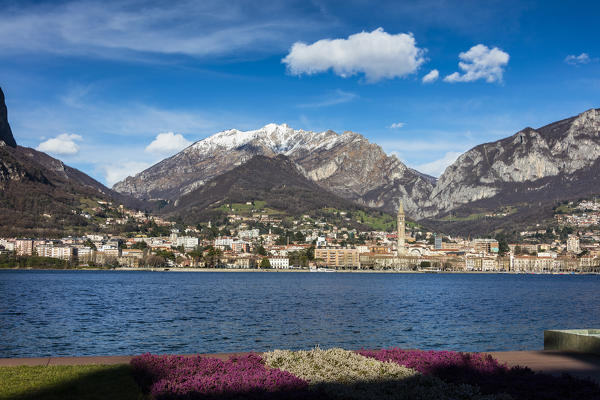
[113,87]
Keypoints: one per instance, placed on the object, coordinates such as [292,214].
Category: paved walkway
[553,362]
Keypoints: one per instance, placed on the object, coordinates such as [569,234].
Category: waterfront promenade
[553,362]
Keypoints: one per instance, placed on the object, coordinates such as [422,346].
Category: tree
[310,253]
[140,245]
[299,237]
[155,261]
[212,256]
[265,263]
[503,247]
[90,244]
[168,255]
[260,250]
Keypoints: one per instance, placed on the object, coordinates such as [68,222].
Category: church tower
[401,221]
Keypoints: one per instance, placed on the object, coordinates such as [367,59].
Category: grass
[248,209]
[85,382]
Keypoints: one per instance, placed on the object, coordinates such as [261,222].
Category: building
[188,242]
[245,262]
[24,247]
[249,234]
[279,262]
[134,253]
[485,245]
[224,242]
[239,246]
[437,242]
[108,250]
[84,253]
[573,244]
[7,245]
[338,257]
[401,234]
[48,250]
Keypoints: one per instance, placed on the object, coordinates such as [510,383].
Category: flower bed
[342,374]
[177,377]
[489,375]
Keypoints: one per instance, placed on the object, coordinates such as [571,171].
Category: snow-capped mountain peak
[346,164]
[279,139]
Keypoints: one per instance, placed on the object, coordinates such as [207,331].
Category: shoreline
[258,270]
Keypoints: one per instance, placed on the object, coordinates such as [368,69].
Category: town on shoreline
[264,242]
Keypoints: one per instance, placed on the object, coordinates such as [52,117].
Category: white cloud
[432,76]
[437,167]
[397,125]
[377,54]
[168,143]
[114,173]
[63,144]
[119,28]
[583,58]
[480,62]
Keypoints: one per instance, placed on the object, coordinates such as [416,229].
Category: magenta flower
[492,377]
[178,377]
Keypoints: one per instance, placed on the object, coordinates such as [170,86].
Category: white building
[8,245]
[573,244]
[222,242]
[279,262]
[188,242]
[84,253]
[62,252]
[249,234]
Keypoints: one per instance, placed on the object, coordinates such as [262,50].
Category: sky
[112,87]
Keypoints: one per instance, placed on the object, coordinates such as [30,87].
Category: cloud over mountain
[378,55]
[168,143]
[63,144]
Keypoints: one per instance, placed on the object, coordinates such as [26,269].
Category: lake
[76,313]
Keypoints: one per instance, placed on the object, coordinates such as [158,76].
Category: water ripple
[73,313]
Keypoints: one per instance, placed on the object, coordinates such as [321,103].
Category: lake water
[74,313]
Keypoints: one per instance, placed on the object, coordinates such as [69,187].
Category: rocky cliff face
[526,165]
[543,165]
[346,164]
[6,135]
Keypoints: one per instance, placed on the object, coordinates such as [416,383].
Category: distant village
[313,244]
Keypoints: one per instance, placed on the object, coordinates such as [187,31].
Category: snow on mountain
[346,164]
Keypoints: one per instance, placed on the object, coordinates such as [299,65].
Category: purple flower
[491,376]
[178,377]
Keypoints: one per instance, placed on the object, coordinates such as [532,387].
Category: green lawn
[85,382]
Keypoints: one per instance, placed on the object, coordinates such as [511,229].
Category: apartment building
[338,257]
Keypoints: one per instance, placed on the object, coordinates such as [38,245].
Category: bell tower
[401,221]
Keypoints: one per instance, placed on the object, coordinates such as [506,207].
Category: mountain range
[274,182]
[494,186]
[516,179]
[347,165]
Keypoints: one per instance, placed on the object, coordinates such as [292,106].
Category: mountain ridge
[39,193]
[346,164]
[276,181]
[559,148]
[530,166]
